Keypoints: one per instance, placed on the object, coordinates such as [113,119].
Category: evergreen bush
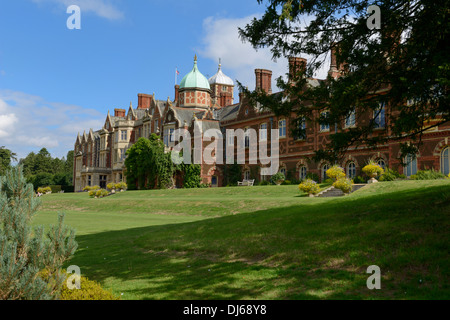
[277,178]
[429,175]
[25,252]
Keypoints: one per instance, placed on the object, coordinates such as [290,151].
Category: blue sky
[56,82]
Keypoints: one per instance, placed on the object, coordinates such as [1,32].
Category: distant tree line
[41,169]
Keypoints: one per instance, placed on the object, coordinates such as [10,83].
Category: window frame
[324,127]
[323,171]
[410,170]
[352,117]
[300,172]
[441,160]
[379,117]
[282,128]
[263,132]
[351,173]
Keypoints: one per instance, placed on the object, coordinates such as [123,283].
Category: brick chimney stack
[177,92]
[336,70]
[296,64]
[144,101]
[119,113]
[263,80]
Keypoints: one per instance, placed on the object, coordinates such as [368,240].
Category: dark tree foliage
[6,157]
[41,169]
[404,64]
[148,164]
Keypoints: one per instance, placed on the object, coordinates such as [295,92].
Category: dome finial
[195,58]
[220,63]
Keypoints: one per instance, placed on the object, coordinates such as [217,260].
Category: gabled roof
[131,112]
[78,141]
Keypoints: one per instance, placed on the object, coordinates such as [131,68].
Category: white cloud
[240,59]
[29,123]
[102,8]
[7,122]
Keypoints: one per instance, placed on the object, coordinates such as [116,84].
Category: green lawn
[263,242]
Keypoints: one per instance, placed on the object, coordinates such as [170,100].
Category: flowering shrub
[121,186]
[111,186]
[44,190]
[372,169]
[344,184]
[335,172]
[88,188]
[309,186]
[100,193]
[90,290]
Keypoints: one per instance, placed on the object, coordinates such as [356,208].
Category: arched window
[325,167]
[411,165]
[302,172]
[283,171]
[445,161]
[381,163]
[247,175]
[351,170]
[247,138]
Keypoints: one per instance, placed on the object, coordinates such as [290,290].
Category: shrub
[111,186]
[26,250]
[90,290]
[121,186]
[328,180]
[309,186]
[88,188]
[44,190]
[286,182]
[264,183]
[344,184]
[98,193]
[428,175]
[372,169]
[391,175]
[55,188]
[277,178]
[335,172]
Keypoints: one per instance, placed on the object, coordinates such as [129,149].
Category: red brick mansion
[203,104]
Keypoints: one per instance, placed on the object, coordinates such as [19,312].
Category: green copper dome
[195,79]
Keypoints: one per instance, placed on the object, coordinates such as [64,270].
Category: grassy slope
[283,247]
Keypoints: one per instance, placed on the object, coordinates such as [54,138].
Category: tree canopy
[6,157]
[41,169]
[148,164]
[403,65]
